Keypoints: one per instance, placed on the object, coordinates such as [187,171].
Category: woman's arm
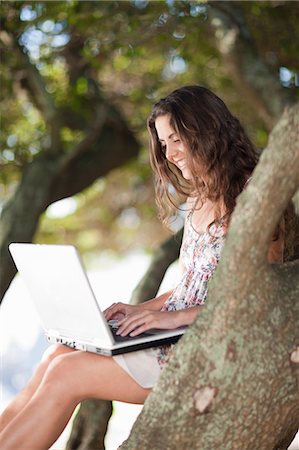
[187,316]
[156,304]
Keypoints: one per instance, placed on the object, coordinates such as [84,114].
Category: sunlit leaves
[25,136]
[70,137]
[116,213]
[136,51]
[55,78]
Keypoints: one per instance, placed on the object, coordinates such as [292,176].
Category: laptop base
[87,347]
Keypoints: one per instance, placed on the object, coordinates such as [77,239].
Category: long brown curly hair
[214,139]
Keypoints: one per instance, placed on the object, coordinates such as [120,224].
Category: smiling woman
[172,145]
[202,150]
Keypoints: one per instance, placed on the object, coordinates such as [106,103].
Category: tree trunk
[232,380]
[90,425]
[20,215]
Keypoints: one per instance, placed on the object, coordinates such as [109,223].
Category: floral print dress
[200,254]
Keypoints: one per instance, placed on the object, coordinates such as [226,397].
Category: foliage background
[135,52]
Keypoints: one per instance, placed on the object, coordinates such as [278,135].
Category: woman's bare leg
[69,379]
[20,401]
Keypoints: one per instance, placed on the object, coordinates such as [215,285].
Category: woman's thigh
[84,375]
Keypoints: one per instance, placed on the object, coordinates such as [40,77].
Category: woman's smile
[172,145]
[181,163]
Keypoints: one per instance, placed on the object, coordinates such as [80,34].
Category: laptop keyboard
[118,338]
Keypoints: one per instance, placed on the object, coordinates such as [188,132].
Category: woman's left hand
[139,322]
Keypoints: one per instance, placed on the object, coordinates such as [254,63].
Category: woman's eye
[177,140]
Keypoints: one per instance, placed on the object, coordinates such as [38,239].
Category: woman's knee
[56,363]
[53,351]
[58,366]
[58,378]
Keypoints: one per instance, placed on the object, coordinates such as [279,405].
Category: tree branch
[108,145]
[91,137]
[247,68]
[279,187]
[97,414]
[32,81]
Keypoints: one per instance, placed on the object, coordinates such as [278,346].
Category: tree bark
[232,381]
[90,425]
[248,70]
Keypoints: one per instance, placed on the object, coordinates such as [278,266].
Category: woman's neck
[202,214]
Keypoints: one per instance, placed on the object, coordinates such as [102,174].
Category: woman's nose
[171,151]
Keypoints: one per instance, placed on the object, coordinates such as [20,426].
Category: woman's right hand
[118,311]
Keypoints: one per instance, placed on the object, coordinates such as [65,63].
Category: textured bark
[90,426]
[148,286]
[232,381]
[249,71]
[20,215]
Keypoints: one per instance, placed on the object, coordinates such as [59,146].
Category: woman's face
[175,150]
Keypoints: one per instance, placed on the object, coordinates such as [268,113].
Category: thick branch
[90,425]
[107,146]
[280,186]
[20,215]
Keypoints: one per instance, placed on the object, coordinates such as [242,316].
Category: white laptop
[67,306]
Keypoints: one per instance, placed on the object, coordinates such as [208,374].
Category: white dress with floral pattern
[200,254]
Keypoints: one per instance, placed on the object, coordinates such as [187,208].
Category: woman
[201,154]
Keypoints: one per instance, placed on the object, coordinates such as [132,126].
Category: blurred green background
[78,80]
